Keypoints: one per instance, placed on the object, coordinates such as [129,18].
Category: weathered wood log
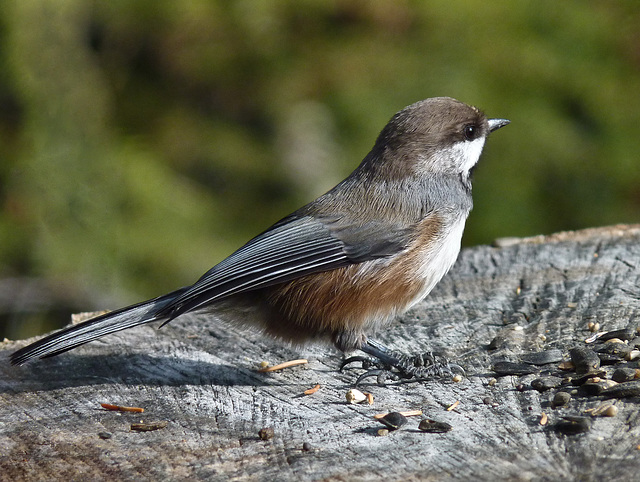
[201,377]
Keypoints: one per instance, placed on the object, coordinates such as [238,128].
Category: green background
[142,141]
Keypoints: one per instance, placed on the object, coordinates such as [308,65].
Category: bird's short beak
[495,124]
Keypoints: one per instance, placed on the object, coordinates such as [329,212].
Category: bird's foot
[390,365]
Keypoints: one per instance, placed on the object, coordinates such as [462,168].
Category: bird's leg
[389,364]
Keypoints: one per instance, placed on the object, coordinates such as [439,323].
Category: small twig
[291,363]
[453,406]
[313,390]
[119,408]
[149,427]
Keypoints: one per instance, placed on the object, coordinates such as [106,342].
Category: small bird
[347,263]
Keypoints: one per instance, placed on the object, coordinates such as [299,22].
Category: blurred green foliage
[143,141]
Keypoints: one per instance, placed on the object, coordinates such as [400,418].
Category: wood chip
[369,398]
[453,406]
[119,408]
[288,364]
[605,409]
[149,427]
[409,413]
[544,419]
[313,390]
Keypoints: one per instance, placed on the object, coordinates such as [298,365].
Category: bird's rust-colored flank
[351,298]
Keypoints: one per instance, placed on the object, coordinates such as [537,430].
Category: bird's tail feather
[76,335]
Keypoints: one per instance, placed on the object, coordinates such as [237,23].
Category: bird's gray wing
[294,247]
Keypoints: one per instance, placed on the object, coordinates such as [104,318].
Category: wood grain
[202,378]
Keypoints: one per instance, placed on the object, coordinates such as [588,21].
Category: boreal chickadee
[346,263]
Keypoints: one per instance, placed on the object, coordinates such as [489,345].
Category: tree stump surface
[200,376]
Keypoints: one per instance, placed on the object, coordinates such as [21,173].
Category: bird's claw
[381,375]
[388,364]
[366,362]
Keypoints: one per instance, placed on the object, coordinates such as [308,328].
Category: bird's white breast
[438,258]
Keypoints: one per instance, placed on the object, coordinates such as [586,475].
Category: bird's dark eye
[470,132]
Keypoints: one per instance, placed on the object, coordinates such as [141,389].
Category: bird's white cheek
[468,153]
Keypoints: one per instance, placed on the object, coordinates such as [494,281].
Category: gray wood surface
[201,377]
